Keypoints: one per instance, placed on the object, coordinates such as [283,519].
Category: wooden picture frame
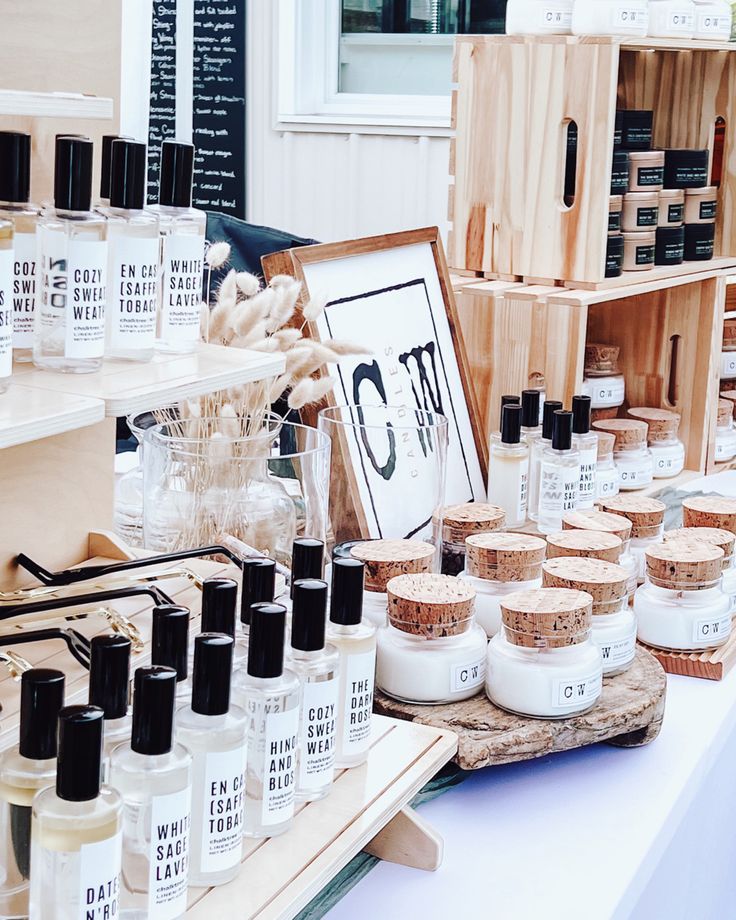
[405,259]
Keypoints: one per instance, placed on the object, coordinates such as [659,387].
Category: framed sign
[392,295]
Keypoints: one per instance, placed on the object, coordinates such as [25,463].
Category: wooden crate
[515,97]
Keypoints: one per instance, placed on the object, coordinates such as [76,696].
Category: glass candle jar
[384,560]
[615,209]
[681,607]
[725,432]
[668,451]
[462,521]
[610,17]
[639,251]
[671,18]
[614,625]
[432,651]
[544,663]
[713,536]
[631,455]
[647,524]
[602,379]
[701,205]
[538,17]
[606,474]
[498,564]
[613,524]
[640,211]
[713,20]
[671,207]
[728,360]
[585,544]
[646,170]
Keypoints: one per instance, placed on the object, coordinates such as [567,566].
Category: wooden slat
[710,665]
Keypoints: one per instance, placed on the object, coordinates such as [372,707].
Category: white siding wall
[332,186]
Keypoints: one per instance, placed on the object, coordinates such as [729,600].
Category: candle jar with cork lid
[631,455]
[614,624]
[725,432]
[621,527]
[668,451]
[585,544]
[728,354]
[384,560]
[713,536]
[709,511]
[544,663]
[681,607]
[462,521]
[498,564]
[432,650]
[606,474]
[647,524]
[602,379]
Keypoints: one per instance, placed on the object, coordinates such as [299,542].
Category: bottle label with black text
[629,18]
[223,799]
[168,872]
[317,742]
[567,694]
[133,297]
[711,630]
[360,672]
[588,465]
[99,878]
[618,652]
[181,287]
[279,768]
[6,312]
[24,289]
[635,474]
[559,488]
[554,18]
[469,675]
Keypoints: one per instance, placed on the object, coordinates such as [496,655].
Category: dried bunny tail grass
[286,338]
[279,280]
[268,345]
[248,284]
[320,355]
[345,347]
[230,423]
[284,305]
[219,324]
[314,308]
[220,448]
[277,388]
[227,293]
[298,357]
[254,336]
[217,254]
[250,314]
[310,391]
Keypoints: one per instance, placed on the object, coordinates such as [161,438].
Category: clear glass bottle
[214,731]
[133,244]
[76,839]
[15,182]
[508,468]
[606,474]
[72,266]
[182,230]
[535,456]
[602,379]
[24,770]
[109,689]
[7,262]
[560,476]
[170,645]
[259,587]
[585,442]
[531,428]
[316,664]
[271,699]
[355,640]
[154,777]
[106,167]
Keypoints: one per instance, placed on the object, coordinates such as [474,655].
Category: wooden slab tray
[629,714]
[710,665]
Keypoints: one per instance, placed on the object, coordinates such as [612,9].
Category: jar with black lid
[614,255]
[699,242]
[685,168]
[620,172]
[670,246]
[636,130]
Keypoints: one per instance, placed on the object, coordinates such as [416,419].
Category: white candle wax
[615,636]
[488,595]
[682,620]
[375,607]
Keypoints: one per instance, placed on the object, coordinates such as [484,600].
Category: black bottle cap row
[109,675]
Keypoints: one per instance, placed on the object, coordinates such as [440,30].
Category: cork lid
[709,511]
[461,521]
[430,605]
[646,514]
[684,566]
[606,444]
[600,415]
[728,385]
[504,556]
[601,359]
[729,332]
[629,432]
[598,520]
[729,394]
[725,412]
[604,581]
[663,424]
[547,617]
[385,559]
[714,536]
[590,544]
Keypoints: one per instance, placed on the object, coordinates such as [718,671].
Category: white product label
[618,653]
[6,312]
[588,465]
[629,18]
[728,365]
[636,475]
[554,18]
[523,494]
[714,24]
[279,769]
[133,293]
[223,798]
[24,289]
[709,631]
[168,872]
[558,488]
[607,393]
[317,741]
[726,446]
[181,293]
[668,465]
[680,21]
[73,292]
[606,483]
[468,676]
[360,672]
[99,879]
[575,693]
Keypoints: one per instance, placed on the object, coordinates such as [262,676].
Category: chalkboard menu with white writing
[162,115]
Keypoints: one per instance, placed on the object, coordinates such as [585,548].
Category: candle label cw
[709,631]
[567,693]
[467,676]
[619,652]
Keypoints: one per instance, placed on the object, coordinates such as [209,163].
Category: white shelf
[29,414]
[54,105]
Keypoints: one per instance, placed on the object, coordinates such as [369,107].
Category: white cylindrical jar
[606,474]
[498,564]
[728,354]
[681,606]
[614,625]
[384,560]
[713,20]
[647,524]
[432,651]
[602,380]
[671,18]
[544,663]
[713,536]
[725,431]
[610,17]
[538,17]
[462,521]
[631,455]
[612,524]
[668,451]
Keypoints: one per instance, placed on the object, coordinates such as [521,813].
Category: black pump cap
[177,174]
[308,615]
[106,162]
[154,695]
[548,417]
[346,598]
[109,675]
[562,431]
[581,414]
[80,753]
[307,560]
[41,698]
[266,642]
[511,424]
[128,175]
[170,638]
[73,174]
[219,604]
[259,585]
[530,408]
[15,166]
[211,676]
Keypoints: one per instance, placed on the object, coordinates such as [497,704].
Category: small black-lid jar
[620,173]
[670,246]
[614,255]
[636,133]
[618,129]
[685,168]
[699,242]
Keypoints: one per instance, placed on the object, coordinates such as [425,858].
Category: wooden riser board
[710,665]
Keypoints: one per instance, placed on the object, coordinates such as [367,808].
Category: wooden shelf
[54,105]
[29,414]
[674,44]
[659,277]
